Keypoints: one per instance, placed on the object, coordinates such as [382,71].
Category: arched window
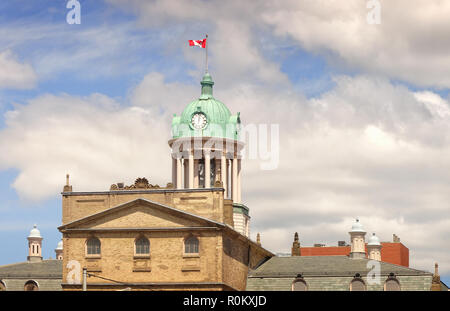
[392,284]
[142,246]
[191,245]
[357,284]
[31,286]
[299,284]
[93,246]
[2,286]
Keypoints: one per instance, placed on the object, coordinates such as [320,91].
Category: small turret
[59,250]
[34,245]
[374,248]
[357,239]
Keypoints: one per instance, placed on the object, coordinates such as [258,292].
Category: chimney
[436,283]
[296,246]
[67,186]
[395,238]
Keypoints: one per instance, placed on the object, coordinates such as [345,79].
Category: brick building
[359,266]
[391,252]
[192,234]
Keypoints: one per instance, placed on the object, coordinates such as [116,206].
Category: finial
[296,246]
[67,187]
[436,281]
[34,226]
[258,239]
[207,86]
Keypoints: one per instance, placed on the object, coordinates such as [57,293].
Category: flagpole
[206,52]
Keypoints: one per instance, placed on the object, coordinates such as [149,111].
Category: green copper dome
[216,118]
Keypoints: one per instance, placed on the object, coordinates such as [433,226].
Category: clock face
[198,121]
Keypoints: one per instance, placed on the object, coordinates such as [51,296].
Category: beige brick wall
[166,261]
[168,267]
[208,204]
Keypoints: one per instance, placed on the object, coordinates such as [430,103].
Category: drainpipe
[84,279]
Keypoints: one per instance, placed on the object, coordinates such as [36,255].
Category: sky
[363,111]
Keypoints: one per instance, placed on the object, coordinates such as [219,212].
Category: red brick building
[391,252]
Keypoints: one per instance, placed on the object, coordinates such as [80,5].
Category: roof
[374,240]
[357,227]
[325,266]
[219,121]
[60,245]
[35,233]
[47,269]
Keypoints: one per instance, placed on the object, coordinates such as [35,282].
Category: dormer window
[299,284]
[357,284]
[392,284]
[31,286]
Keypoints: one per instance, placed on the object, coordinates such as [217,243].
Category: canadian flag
[200,43]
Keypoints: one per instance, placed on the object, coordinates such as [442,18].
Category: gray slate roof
[325,266]
[47,269]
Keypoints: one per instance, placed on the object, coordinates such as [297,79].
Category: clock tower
[206,150]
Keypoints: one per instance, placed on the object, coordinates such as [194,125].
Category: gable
[140,213]
[140,216]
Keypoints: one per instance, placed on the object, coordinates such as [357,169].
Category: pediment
[140,213]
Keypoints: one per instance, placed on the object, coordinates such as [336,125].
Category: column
[196,174]
[207,170]
[239,198]
[179,173]
[234,180]
[186,173]
[191,170]
[223,173]
[228,193]
[174,171]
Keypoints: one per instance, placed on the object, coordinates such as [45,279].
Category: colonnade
[192,173]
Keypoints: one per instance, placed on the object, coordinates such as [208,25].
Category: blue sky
[309,75]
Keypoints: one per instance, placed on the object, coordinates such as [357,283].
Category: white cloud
[367,148]
[14,74]
[410,44]
[92,138]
